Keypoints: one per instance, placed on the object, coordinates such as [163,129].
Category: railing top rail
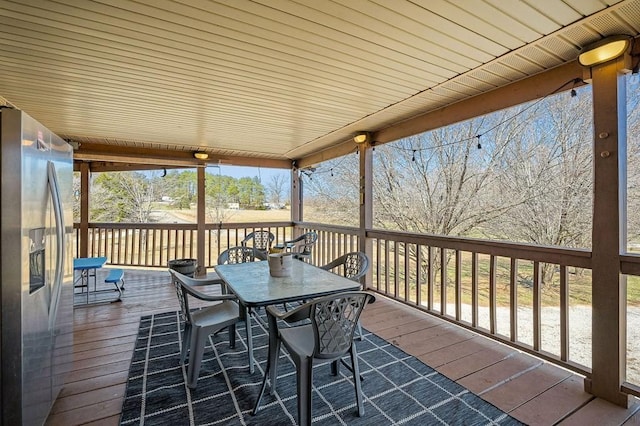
[141,225]
[565,256]
[235,225]
[186,226]
[350,230]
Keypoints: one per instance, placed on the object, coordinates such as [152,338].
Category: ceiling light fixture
[201,155]
[362,137]
[604,50]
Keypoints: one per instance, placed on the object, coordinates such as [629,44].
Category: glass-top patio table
[255,287]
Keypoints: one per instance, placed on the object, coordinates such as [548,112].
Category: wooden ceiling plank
[475,25]
[164,29]
[373,42]
[489,13]
[130,49]
[431,27]
[294,39]
[117,58]
[358,24]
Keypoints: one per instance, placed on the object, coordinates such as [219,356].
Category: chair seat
[298,340]
[222,313]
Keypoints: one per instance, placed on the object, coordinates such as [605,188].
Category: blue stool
[116,276]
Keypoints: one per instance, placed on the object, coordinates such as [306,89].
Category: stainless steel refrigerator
[36,331]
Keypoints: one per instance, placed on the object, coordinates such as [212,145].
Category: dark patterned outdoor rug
[398,388]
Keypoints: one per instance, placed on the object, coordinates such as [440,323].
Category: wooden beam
[108,166]
[366,209]
[296,196]
[96,152]
[528,89]
[344,148]
[200,235]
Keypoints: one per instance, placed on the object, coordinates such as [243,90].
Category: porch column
[202,267]
[84,210]
[366,206]
[296,196]
[609,233]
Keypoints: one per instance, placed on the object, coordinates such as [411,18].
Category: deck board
[531,390]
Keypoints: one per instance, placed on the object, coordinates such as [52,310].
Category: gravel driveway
[579,332]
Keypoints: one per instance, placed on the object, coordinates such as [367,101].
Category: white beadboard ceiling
[275,78]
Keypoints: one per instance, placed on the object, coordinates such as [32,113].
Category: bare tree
[276,189]
[553,167]
[123,196]
[440,182]
[331,191]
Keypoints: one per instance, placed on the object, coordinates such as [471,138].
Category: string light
[477,136]
[573,81]
[308,172]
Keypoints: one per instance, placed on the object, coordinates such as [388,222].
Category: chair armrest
[208,297]
[298,314]
[329,266]
[295,240]
[199,282]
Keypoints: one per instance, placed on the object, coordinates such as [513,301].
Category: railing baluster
[99,242]
[564,314]
[458,284]
[377,270]
[418,274]
[492,294]
[536,306]
[126,246]
[386,267]
[431,279]
[407,261]
[141,241]
[396,291]
[474,289]
[513,299]
[443,281]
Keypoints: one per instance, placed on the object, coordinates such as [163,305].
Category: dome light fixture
[604,50]
[200,155]
[362,137]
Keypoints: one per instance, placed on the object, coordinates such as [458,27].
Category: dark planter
[184,266]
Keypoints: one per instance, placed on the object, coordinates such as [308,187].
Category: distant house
[274,206]
[233,206]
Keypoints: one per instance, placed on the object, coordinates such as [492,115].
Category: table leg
[247,321]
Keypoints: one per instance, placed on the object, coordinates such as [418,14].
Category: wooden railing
[333,241]
[154,244]
[519,294]
[497,289]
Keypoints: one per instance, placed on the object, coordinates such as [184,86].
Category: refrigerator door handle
[56,286]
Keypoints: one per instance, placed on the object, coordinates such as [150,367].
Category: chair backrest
[334,319]
[178,281]
[262,239]
[241,255]
[352,265]
[309,239]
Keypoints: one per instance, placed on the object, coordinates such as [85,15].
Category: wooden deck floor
[531,390]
